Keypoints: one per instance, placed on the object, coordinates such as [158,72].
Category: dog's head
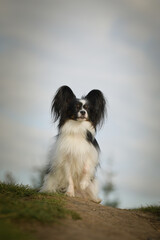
[66,106]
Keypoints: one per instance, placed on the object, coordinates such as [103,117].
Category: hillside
[26,214]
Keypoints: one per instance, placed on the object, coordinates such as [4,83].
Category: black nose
[82,112]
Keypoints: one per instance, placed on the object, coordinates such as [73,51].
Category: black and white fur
[76,151]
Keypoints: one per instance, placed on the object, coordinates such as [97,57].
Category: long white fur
[73,162]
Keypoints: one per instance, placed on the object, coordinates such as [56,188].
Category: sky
[113,46]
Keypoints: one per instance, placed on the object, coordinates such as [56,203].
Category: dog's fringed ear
[98,106]
[62,98]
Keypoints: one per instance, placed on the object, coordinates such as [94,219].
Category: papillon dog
[75,155]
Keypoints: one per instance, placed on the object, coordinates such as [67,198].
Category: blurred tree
[38,181]
[9,178]
[109,187]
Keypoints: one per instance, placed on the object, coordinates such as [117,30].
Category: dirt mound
[101,222]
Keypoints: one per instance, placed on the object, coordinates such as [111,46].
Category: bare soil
[101,223]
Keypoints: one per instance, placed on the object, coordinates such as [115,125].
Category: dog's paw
[96,200]
[70,194]
[84,184]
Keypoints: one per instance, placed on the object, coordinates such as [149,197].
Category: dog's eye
[78,106]
[85,106]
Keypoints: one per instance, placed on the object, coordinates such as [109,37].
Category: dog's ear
[62,98]
[98,106]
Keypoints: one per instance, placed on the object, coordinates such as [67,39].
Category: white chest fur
[73,137]
[72,146]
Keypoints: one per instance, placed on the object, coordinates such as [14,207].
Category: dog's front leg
[85,180]
[70,189]
[92,191]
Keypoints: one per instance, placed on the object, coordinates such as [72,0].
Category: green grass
[154,209]
[20,203]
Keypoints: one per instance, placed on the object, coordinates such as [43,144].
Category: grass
[154,209]
[21,203]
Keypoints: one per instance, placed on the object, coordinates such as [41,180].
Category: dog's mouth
[82,117]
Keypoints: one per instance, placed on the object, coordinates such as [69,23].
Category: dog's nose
[82,112]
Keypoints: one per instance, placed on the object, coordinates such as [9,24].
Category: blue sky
[110,45]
